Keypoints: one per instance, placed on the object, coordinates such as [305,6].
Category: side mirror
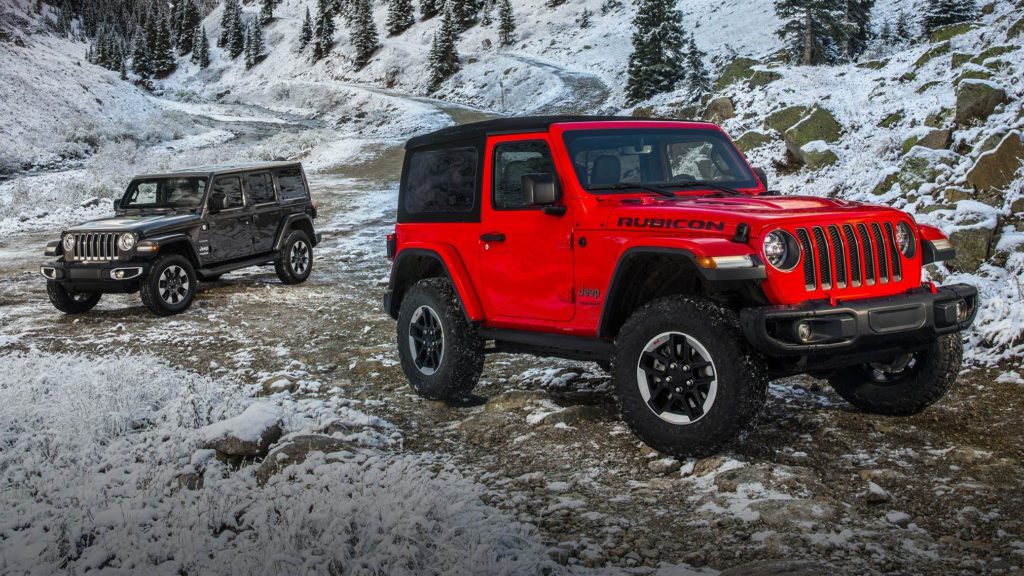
[218,202]
[540,190]
[763,176]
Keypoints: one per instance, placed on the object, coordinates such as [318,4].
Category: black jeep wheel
[687,383]
[71,302]
[294,260]
[170,286]
[906,384]
[440,352]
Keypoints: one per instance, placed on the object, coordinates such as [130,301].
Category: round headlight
[126,242]
[69,242]
[780,250]
[905,239]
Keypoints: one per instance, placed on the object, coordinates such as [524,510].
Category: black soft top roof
[221,169]
[509,125]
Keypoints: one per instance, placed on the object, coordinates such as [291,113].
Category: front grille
[840,256]
[95,247]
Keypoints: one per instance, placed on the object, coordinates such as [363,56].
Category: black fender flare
[288,223]
[707,276]
[164,240]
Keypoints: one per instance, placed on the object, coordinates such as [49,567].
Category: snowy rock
[753,140]
[816,155]
[736,71]
[664,466]
[784,513]
[995,170]
[719,110]
[1015,30]
[931,54]
[782,120]
[818,125]
[994,52]
[919,166]
[977,100]
[705,466]
[934,138]
[249,434]
[278,384]
[190,481]
[973,246]
[778,568]
[89,203]
[972,72]
[296,451]
[943,33]
[901,519]
[514,400]
[876,494]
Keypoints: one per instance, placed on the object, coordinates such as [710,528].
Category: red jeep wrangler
[654,249]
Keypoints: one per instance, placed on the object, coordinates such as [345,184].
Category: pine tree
[814,31]
[254,47]
[201,52]
[267,10]
[506,23]
[584,21]
[903,32]
[945,12]
[236,36]
[306,34]
[486,19]
[444,56]
[141,64]
[430,8]
[610,6]
[323,30]
[858,16]
[163,54]
[364,34]
[698,79]
[232,12]
[189,19]
[465,12]
[400,16]
[656,65]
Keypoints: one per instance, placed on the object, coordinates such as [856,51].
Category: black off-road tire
[71,303]
[934,372]
[737,374]
[170,287]
[294,260]
[432,305]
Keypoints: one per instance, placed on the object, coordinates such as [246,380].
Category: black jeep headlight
[69,242]
[126,242]
[905,239]
[781,250]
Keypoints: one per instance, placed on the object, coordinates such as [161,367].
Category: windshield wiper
[632,186]
[701,184]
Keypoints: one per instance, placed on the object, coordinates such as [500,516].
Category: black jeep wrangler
[171,230]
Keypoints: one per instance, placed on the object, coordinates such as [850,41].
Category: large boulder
[295,451]
[932,53]
[973,245]
[996,169]
[752,140]
[943,33]
[817,154]
[719,110]
[739,69]
[977,100]
[248,435]
[934,138]
[818,125]
[784,119]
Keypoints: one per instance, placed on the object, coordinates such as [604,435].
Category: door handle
[493,237]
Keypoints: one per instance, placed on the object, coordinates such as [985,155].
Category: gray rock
[719,110]
[296,451]
[795,512]
[996,169]
[876,494]
[261,424]
[977,100]
[664,466]
[818,125]
[778,568]
[973,247]
[752,140]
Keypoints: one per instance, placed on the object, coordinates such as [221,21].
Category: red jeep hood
[753,209]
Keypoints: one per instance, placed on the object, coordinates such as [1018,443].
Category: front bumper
[903,321]
[113,277]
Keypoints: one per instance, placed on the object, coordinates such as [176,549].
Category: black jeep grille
[95,247]
[838,256]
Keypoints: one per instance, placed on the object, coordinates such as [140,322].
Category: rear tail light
[392,245]
[314,210]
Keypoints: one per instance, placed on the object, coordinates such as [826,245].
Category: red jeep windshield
[660,157]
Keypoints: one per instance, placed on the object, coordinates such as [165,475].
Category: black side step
[548,345]
[260,260]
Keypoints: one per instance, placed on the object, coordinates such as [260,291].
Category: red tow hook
[931,287]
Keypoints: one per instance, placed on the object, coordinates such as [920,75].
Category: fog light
[119,274]
[962,310]
[804,331]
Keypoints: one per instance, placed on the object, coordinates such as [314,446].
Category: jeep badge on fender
[171,230]
[695,283]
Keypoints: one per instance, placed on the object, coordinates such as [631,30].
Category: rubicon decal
[680,224]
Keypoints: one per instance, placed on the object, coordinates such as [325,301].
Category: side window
[442,181]
[145,193]
[261,188]
[512,161]
[231,188]
[292,186]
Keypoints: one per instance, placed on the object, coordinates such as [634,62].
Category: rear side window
[291,184]
[261,188]
[231,188]
[512,161]
[442,181]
